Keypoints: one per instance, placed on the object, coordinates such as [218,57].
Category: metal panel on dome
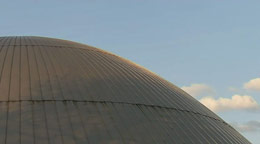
[61,92]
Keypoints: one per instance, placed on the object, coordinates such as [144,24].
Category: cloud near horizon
[253,84]
[196,90]
[237,102]
[250,126]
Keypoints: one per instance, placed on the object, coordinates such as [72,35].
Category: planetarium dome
[61,92]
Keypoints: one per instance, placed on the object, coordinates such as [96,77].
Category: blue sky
[210,47]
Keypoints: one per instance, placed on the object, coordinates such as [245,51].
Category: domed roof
[57,91]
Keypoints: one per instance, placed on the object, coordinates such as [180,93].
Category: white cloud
[237,102]
[251,126]
[198,90]
[253,84]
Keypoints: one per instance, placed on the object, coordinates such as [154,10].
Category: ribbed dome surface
[57,91]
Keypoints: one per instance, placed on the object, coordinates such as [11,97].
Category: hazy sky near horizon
[211,49]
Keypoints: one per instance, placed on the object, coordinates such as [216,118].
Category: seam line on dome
[61,46]
[127,103]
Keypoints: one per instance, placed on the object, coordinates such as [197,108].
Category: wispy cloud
[251,126]
[196,90]
[253,84]
[237,102]
[235,90]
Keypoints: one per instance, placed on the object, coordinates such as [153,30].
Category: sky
[210,49]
